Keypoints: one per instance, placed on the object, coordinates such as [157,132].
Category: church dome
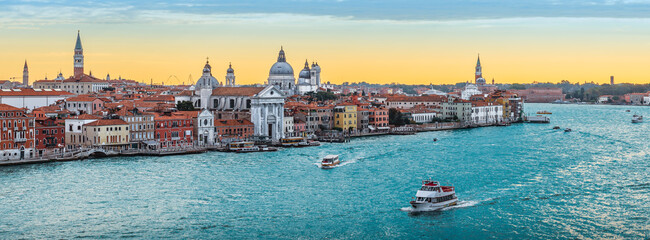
[230,70]
[305,71]
[281,67]
[207,80]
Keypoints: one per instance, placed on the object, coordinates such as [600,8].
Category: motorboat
[432,196]
[567,130]
[556,127]
[637,118]
[544,112]
[330,161]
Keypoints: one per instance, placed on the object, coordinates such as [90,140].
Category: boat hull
[427,206]
[330,165]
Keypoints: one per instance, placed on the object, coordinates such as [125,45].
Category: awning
[371,127]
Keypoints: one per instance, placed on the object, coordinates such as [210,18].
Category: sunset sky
[414,42]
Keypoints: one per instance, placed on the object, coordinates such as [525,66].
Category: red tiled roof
[106,122]
[236,91]
[5,107]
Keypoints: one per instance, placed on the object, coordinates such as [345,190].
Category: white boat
[432,196]
[330,161]
[637,119]
[538,119]
[243,147]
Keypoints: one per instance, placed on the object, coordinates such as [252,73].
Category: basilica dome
[281,67]
[207,80]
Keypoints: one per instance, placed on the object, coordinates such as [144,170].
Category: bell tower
[25,75]
[78,58]
[478,73]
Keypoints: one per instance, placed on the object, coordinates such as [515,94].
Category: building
[108,134]
[267,113]
[204,129]
[486,113]
[470,90]
[281,75]
[79,83]
[635,98]
[457,109]
[141,127]
[378,119]
[74,130]
[25,75]
[478,75]
[309,79]
[407,102]
[17,133]
[85,104]
[605,98]
[424,114]
[32,98]
[233,130]
[230,76]
[363,118]
[49,136]
[174,130]
[288,126]
[6,84]
[345,117]
[540,95]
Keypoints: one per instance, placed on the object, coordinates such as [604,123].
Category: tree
[185,106]
[395,117]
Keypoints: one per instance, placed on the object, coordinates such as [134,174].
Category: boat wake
[343,163]
[461,204]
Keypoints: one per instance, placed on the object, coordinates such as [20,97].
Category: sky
[375,41]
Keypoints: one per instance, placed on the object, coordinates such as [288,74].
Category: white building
[309,79]
[288,126]
[204,128]
[281,75]
[32,98]
[267,113]
[469,91]
[74,136]
[486,113]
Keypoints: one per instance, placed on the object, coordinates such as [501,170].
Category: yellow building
[345,117]
[109,134]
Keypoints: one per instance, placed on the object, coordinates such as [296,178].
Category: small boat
[627,110]
[313,143]
[556,127]
[567,130]
[544,112]
[432,196]
[330,161]
[243,147]
[267,149]
[637,119]
[248,150]
[435,139]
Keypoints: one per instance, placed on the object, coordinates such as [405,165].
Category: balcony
[20,139]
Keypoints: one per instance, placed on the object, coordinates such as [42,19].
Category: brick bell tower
[78,58]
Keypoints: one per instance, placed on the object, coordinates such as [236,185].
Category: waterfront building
[49,136]
[605,98]
[345,117]
[267,113]
[540,95]
[141,126]
[281,75]
[635,98]
[32,98]
[85,104]
[457,109]
[17,133]
[204,129]
[325,117]
[486,113]
[363,118]
[288,126]
[233,130]
[174,130]
[74,130]
[378,119]
[407,102]
[299,129]
[108,134]
[424,114]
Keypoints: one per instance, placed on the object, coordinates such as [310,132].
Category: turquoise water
[523,181]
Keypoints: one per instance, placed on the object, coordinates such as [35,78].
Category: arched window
[232,103]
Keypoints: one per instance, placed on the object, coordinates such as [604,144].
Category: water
[523,181]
